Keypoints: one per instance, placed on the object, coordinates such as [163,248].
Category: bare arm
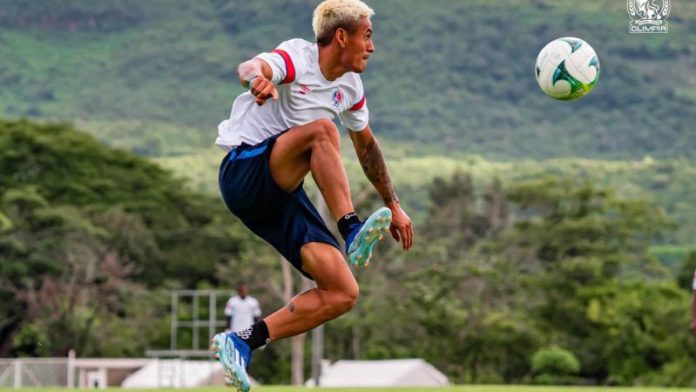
[370,156]
[259,73]
[372,162]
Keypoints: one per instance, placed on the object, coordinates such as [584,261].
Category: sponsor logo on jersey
[336,98]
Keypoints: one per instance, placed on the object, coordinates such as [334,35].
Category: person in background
[242,310]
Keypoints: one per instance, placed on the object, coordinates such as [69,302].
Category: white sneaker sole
[360,251]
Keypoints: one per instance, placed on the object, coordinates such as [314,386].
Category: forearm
[370,157]
[247,71]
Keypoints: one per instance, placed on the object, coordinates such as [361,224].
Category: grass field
[467,388]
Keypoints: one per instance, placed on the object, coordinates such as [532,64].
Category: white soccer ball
[567,68]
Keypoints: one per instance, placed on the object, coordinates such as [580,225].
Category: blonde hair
[332,14]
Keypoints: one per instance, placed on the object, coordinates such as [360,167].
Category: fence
[68,372]
[35,372]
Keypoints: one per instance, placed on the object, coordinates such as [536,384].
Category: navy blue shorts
[285,220]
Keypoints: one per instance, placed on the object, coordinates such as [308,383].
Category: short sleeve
[357,117]
[285,62]
[229,311]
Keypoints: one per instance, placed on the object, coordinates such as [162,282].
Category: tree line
[546,280]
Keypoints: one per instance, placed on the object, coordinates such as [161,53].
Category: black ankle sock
[255,336]
[345,222]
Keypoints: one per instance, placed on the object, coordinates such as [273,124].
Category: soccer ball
[567,68]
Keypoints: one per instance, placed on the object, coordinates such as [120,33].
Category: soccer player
[242,310]
[280,130]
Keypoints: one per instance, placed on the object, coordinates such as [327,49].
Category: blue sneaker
[235,356]
[364,236]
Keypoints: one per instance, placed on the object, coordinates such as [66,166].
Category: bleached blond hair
[332,14]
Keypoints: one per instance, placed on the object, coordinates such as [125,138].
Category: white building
[382,373]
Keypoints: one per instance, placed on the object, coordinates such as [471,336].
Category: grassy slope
[670,184]
[155,78]
[459,78]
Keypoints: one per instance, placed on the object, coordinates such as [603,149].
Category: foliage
[561,263]
[668,183]
[555,361]
[85,230]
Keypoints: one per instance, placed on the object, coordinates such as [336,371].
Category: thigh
[292,151]
[328,267]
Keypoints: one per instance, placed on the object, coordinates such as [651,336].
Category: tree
[75,218]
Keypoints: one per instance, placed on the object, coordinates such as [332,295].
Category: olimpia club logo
[648,16]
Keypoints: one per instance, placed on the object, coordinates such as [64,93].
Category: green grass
[461,388]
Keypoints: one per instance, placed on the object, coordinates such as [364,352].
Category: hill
[667,183]
[456,76]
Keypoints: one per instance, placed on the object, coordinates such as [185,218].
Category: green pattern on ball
[594,63]
[574,44]
[577,88]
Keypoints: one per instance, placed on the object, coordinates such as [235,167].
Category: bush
[553,363]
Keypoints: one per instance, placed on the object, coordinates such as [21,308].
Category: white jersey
[304,95]
[243,311]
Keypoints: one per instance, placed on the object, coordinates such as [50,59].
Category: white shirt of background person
[242,310]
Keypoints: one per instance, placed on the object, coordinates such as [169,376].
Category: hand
[263,89]
[401,227]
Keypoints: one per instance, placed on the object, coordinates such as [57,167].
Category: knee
[326,133]
[345,300]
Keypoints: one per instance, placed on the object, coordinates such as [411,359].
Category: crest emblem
[648,16]
[336,98]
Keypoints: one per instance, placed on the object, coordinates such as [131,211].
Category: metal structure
[67,372]
[194,311]
[194,298]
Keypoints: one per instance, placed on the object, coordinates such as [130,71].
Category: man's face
[242,291]
[359,46]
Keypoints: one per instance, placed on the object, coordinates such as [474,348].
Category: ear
[341,37]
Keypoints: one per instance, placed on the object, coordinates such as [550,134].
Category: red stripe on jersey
[358,105]
[289,66]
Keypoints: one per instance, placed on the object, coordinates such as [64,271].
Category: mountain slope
[454,75]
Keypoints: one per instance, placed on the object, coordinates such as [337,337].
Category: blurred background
[554,240]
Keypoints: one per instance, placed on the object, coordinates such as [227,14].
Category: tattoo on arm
[291,307]
[375,169]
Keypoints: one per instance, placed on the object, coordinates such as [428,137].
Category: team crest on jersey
[336,98]
[304,89]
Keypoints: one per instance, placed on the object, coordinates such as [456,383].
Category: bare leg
[336,293]
[313,147]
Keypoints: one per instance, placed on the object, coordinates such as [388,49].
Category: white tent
[175,373]
[384,373]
